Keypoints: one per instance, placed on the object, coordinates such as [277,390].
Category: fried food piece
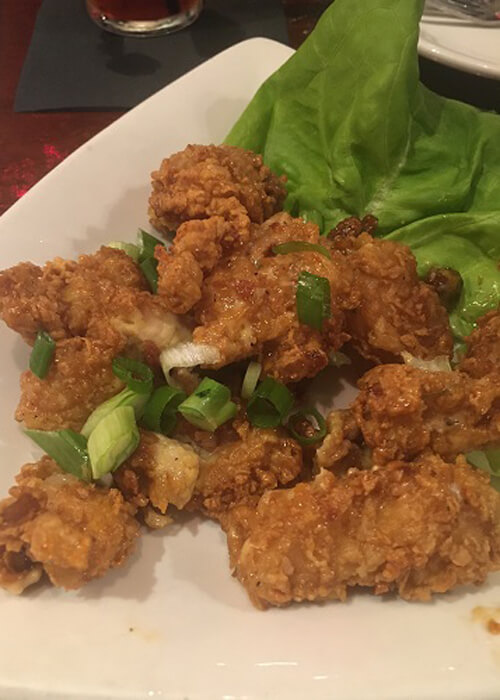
[403,411]
[102,296]
[248,307]
[204,181]
[211,195]
[392,310]
[241,470]
[80,378]
[55,523]
[238,466]
[483,347]
[159,472]
[416,529]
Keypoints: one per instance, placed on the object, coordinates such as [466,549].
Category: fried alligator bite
[211,196]
[103,296]
[54,523]
[403,411]
[416,529]
[392,309]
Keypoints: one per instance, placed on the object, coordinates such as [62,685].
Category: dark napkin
[73,64]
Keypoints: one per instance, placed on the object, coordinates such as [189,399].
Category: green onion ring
[146,243]
[136,375]
[313,299]
[114,439]
[269,404]
[209,406]
[160,412]
[307,413]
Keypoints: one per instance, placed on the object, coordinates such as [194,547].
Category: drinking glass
[143,17]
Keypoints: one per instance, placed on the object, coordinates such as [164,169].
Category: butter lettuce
[349,123]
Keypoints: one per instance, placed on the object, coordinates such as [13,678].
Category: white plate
[173,624]
[461,44]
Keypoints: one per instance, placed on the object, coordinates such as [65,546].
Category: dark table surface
[31,144]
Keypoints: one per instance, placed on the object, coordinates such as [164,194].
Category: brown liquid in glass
[130,10]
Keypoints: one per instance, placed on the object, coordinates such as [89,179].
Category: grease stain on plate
[489,617]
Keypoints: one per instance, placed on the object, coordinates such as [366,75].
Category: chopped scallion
[160,412]
[126,397]
[137,376]
[112,441]
[250,380]
[309,416]
[146,244]
[67,448]
[130,248]
[149,268]
[313,299]
[209,406]
[269,404]
[42,354]
[300,247]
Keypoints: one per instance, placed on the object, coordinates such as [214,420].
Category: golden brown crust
[416,529]
[204,181]
[248,305]
[79,379]
[392,309]
[403,411]
[240,471]
[72,530]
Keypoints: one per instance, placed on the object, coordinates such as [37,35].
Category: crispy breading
[55,523]
[483,347]
[161,471]
[403,411]
[238,466]
[416,529]
[248,306]
[79,379]
[211,196]
[239,471]
[102,296]
[392,310]
[204,181]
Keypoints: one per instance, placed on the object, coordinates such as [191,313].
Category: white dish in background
[173,624]
[474,48]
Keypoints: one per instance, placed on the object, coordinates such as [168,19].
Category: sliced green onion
[67,448]
[250,380]
[307,414]
[209,405]
[130,248]
[299,247]
[42,354]
[160,412]
[113,441]
[269,404]
[313,299]
[136,375]
[126,397]
[146,244]
[149,268]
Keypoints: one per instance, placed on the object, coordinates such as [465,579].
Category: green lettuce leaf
[349,123]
